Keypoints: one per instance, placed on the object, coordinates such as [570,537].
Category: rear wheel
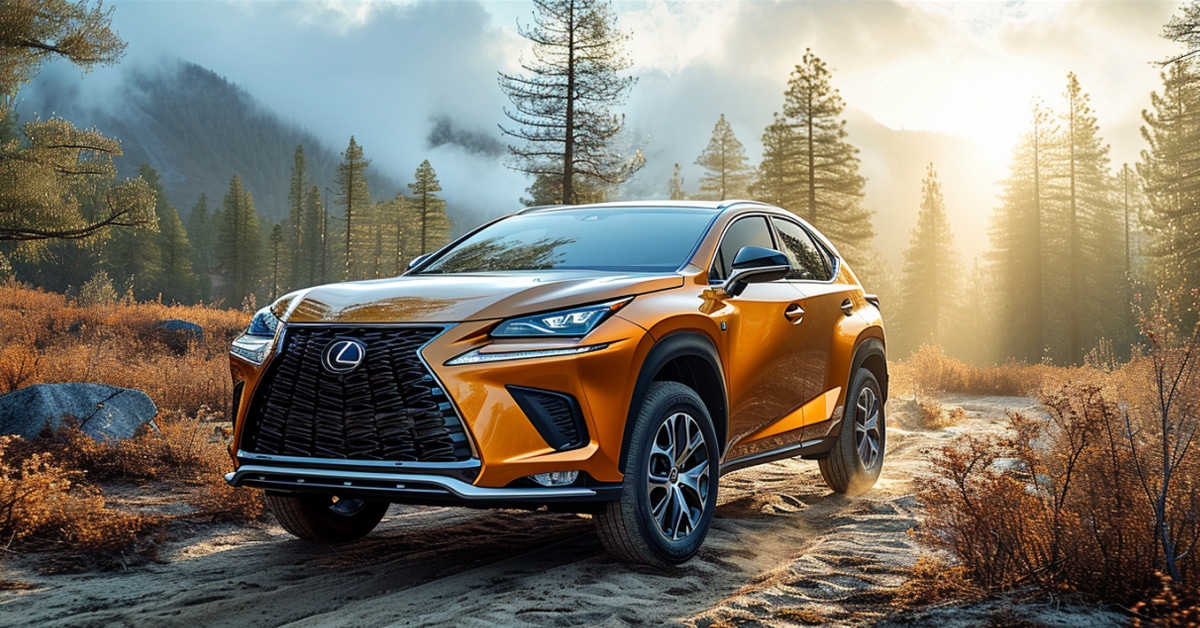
[670,487]
[854,463]
[326,518]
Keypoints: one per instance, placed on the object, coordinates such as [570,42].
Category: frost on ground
[783,551]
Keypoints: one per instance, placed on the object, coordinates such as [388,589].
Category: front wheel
[854,463]
[326,518]
[670,487]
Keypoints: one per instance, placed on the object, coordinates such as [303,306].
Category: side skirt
[809,449]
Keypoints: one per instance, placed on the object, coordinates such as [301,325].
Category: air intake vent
[388,408]
[555,415]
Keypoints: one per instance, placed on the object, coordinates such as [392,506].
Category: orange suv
[615,359]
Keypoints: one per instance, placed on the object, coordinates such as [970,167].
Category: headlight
[264,323]
[576,322]
[254,344]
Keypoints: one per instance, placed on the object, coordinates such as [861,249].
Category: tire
[325,518]
[854,463]
[682,488]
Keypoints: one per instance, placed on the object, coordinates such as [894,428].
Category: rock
[103,412]
[179,335]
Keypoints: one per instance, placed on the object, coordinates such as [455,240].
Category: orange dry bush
[46,339]
[1060,504]
[44,506]
[930,372]
[187,450]
[931,581]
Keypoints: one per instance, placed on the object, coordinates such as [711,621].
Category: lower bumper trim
[402,487]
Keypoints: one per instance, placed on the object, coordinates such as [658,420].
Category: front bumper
[506,447]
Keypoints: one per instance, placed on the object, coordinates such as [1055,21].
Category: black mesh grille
[555,415]
[389,408]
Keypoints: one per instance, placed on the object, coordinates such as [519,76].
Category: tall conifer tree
[930,301]
[561,105]
[727,172]
[239,243]
[297,189]
[1170,167]
[821,182]
[355,199]
[429,225]
[675,185]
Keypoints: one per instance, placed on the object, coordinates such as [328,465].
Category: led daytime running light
[475,357]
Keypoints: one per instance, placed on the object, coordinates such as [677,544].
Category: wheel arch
[871,354]
[690,358]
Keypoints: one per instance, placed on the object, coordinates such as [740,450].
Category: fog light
[555,478]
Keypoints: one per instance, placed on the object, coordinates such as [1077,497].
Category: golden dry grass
[44,339]
[930,372]
[51,487]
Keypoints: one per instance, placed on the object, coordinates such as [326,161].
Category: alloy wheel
[677,481]
[866,427]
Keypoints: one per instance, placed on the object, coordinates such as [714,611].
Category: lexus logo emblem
[343,355]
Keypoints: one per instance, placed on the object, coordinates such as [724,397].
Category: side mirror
[755,264]
[416,261]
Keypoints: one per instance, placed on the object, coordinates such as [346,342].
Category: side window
[752,231]
[808,261]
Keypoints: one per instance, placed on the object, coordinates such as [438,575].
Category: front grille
[389,408]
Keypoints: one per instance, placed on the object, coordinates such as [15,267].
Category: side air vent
[555,415]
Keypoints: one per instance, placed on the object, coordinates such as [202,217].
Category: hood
[466,297]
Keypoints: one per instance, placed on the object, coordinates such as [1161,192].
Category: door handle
[794,313]
[847,307]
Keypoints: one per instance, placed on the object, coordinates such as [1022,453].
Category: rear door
[823,300]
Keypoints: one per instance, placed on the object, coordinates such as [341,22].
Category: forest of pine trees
[1074,237]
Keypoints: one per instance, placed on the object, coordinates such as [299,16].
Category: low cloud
[475,141]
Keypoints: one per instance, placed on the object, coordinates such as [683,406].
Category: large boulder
[179,335]
[103,412]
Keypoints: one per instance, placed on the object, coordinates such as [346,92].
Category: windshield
[620,239]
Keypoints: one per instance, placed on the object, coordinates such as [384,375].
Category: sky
[416,79]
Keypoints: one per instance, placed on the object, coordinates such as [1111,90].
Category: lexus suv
[614,359]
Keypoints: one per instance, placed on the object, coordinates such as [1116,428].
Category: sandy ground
[783,551]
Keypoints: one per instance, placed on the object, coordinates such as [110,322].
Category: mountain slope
[197,130]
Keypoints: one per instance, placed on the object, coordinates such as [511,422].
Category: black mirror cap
[758,257]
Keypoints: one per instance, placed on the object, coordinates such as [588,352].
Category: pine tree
[239,245]
[727,172]
[355,198]
[1170,167]
[41,177]
[276,248]
[561,107]
[931,289]
[776,178]
[297,189]
[1019,236]
[314,250]
[1094,307]
[675,185]
[820,181]
[175,281]
[429,225]
[203,235]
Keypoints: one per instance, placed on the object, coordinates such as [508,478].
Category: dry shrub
[45,506]
[1076,512]
[930,372]
[1168,608]
[186,450]
[932,415]
[932,581]
[46,339]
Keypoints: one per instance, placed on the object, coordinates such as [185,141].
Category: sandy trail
[782,549]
